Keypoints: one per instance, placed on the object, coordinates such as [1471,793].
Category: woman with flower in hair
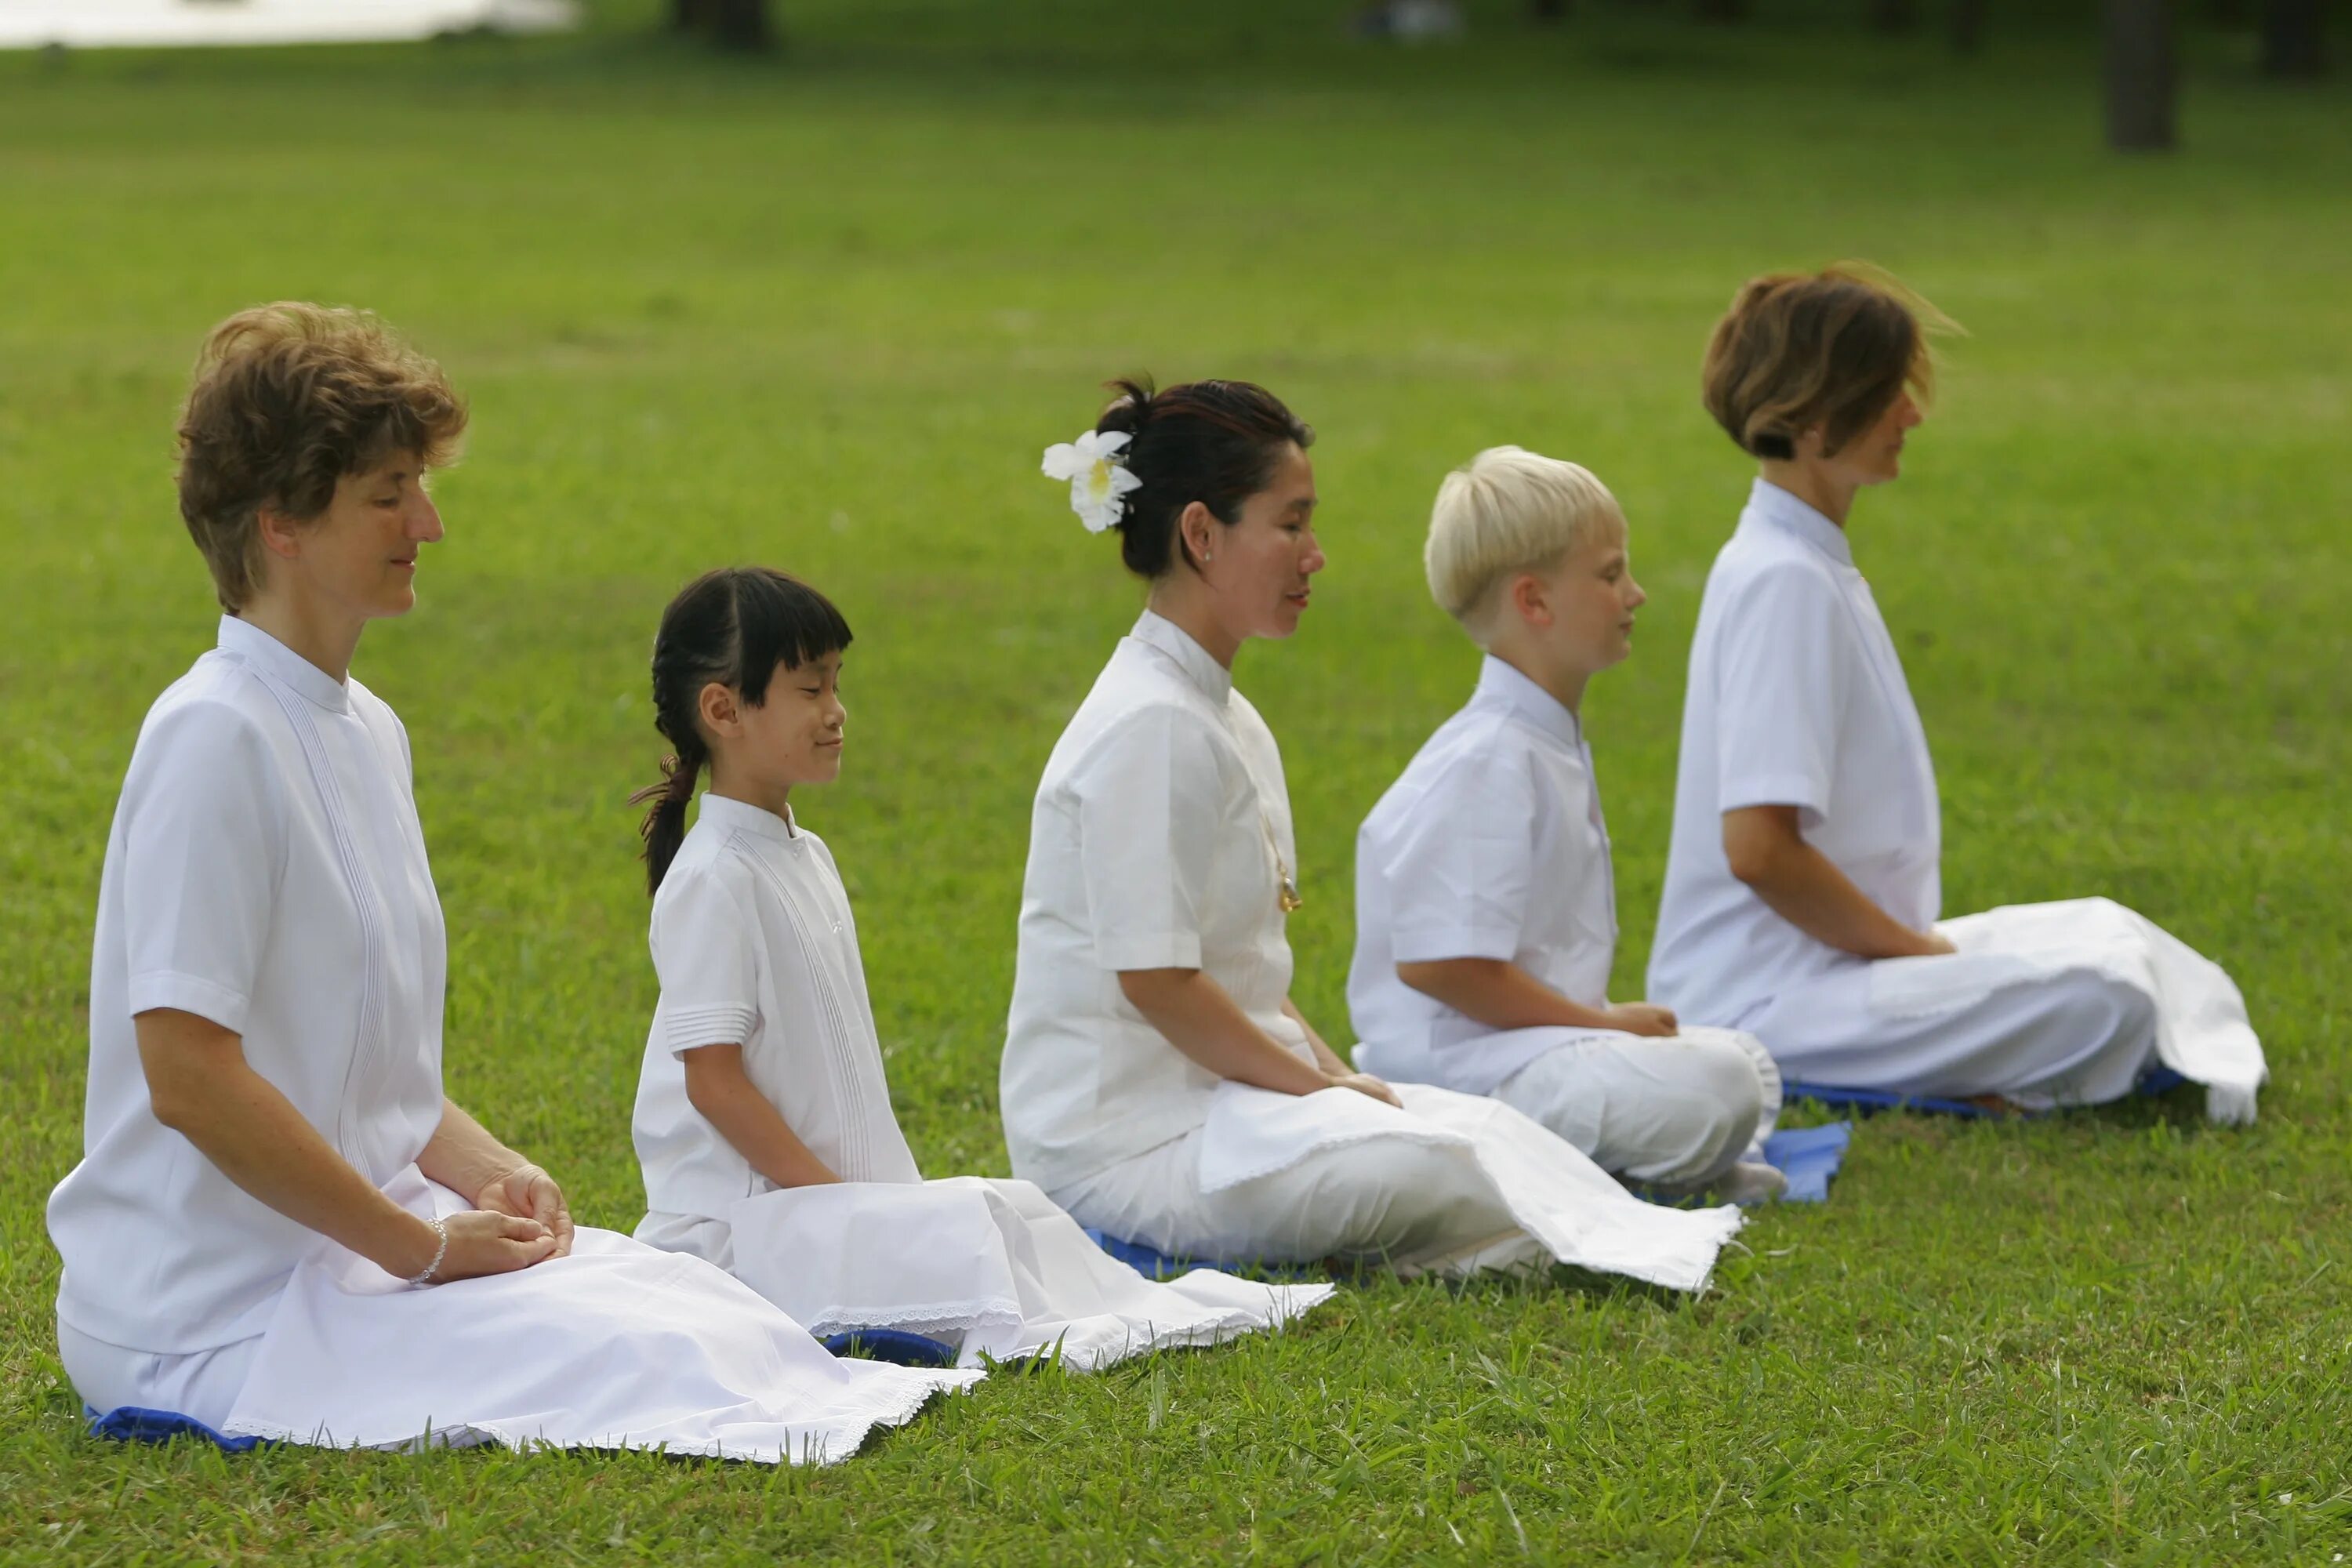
[281,1227]
[1158,1082]
[1803,882]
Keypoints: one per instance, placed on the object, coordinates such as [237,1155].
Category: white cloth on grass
[1491,845]
[616,1346]
[993,1267]
[267,871]
[755,944]
[1162,831]
[1797,698]
[1450,1184]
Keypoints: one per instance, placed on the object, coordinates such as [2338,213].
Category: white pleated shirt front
[755,945]
[1159,831]
[1796,697]
[265,871]
[1490,845]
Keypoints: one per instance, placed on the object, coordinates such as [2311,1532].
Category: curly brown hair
[1832,348]
[288,398]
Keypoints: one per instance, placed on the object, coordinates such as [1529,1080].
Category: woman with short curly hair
[272,1178]
[1804,880]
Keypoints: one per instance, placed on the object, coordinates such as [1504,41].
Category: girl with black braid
[763,1118]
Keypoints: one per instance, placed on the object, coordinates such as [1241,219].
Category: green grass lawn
[825,313]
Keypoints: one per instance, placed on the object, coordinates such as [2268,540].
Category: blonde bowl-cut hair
[287,399]
[1832,348]
[1504,511]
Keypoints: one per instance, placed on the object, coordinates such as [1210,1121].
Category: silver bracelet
[441,1251]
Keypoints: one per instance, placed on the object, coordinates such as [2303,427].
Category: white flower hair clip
[1100,482]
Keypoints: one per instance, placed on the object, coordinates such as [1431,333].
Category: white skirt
[616,1346]
[2201,1029]
[992,1267]
[1573,1208]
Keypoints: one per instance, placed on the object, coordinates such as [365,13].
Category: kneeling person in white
[763,1120]
[1802,884]
[1158,1082]
[272,1176]
[1485,908]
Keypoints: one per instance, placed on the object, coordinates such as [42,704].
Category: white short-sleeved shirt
[1490,845]
[265,871]
[755,946]
[1796,697]
[1154,845]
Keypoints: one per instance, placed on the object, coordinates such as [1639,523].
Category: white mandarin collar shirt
[1490,845]
[1796,697]
[265,871]
[1771,507]
[1156,631]
[280,663]
[755,946]
[1153,844]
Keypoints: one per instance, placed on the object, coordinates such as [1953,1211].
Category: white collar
[280,663]
[726,815]
[1505,686]
[1771,507]
[1156,631]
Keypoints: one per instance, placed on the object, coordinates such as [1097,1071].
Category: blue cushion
[1154,1264]
[2155,1080]
[1809,1157]
[892,1345]
[129,1423]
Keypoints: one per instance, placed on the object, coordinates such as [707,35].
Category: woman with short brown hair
[1802,885]
[272,1178]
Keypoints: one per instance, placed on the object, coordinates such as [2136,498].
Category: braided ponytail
[735,627]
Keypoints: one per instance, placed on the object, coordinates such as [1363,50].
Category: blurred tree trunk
[1548,10]
[1967,26]
[2141,77]
[2294,38]
[1894,15]
[729,24]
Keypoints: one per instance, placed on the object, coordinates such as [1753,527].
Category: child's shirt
[755,946]
[1491,845]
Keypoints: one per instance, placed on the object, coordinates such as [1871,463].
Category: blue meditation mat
[1154,1264]
[896,1345]
[129,1423]
[1809,1157]
[2155,1080]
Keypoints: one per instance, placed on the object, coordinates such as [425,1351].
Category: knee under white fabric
[1413,1205]
[201,1384]
[1679,1109]
[2073,1037]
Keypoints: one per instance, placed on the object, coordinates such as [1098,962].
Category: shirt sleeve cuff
[1435,945]
[1149,950]
[691,1029]
[207,999]
[1777,789]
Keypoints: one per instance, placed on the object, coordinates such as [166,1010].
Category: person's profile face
[1875,456]
[1263,563]
[1594,598]
[795,734]
[360,555]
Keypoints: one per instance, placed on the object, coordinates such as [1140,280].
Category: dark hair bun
[1215,442]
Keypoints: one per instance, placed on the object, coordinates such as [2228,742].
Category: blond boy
[1486,909]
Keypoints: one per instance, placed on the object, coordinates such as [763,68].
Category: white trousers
[1415,1207]
[199,1384]
[1679,1110]
[2075,1036]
